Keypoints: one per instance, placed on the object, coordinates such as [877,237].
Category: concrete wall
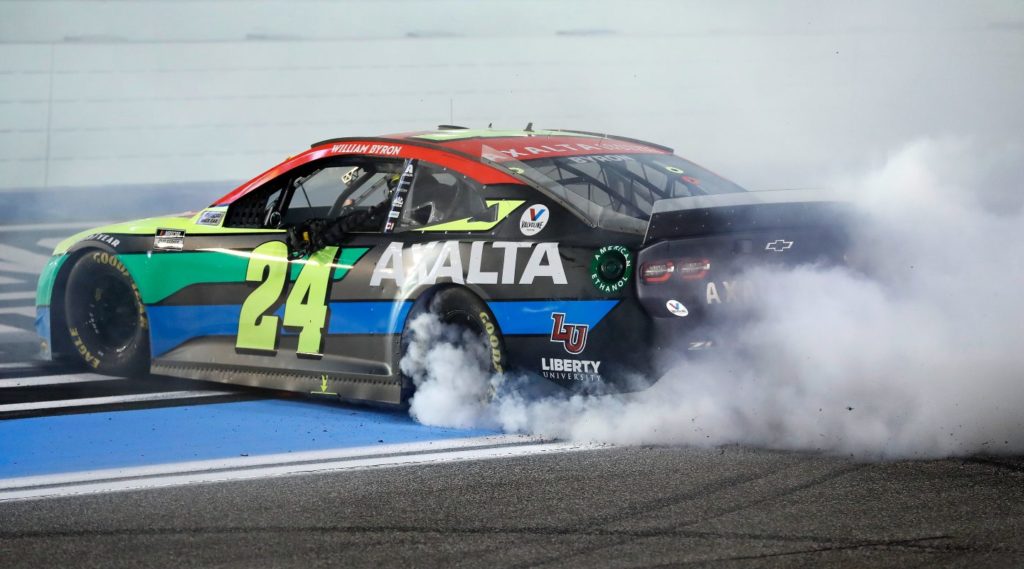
[771,94]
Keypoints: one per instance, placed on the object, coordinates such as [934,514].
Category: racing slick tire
[106,320]
[456,306]
[459,307]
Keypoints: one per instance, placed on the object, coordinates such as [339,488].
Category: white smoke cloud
[450,370]
[917,353]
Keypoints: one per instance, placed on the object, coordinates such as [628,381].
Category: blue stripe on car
[170,325]
[173,325]
[368,317]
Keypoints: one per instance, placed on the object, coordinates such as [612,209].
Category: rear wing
[744,211]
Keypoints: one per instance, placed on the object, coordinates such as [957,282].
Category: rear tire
[458,307]
[106,320]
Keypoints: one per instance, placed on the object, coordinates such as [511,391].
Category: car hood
[186,221]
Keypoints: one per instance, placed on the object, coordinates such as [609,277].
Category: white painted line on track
[22,310]
[28,259]
[43,226]
[114,399]
[27,295]
[352,459]
[16,268]
[279,459]
[50,242]
[5,329]
[56,380]
[12,365]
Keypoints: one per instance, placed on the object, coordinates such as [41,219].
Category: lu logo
[572,336]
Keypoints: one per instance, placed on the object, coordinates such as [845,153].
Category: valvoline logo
[534,219]
[677,308]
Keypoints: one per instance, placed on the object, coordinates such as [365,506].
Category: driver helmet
[393,180]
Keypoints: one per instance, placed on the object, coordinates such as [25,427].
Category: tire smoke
[449,367]
[914,352]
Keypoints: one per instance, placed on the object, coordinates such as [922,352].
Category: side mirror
[273,220]
[489,214]
[271,216]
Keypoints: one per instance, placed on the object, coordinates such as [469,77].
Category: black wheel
[460,308]
[106,319]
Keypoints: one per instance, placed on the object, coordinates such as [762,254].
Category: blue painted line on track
[91,441]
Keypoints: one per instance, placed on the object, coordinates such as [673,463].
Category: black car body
[578,258]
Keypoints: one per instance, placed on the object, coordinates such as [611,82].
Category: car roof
[475,152]
[493,143]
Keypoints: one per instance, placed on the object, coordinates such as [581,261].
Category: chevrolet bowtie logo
[779,245]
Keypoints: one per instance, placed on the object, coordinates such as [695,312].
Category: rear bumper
[699,285]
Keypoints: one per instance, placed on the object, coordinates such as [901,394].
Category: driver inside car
[314,234]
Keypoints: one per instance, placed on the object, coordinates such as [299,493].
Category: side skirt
[347,387]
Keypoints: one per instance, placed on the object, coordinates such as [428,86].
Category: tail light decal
[658,272]
[687,269]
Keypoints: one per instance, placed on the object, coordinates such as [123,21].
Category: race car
[577,258]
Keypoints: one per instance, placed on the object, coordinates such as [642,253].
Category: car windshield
[619,189]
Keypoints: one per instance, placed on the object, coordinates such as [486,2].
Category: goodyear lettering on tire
[84,351]
[492,338]
[104,258]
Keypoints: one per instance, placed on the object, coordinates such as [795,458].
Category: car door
[329,320]
[432,230]
[258,311]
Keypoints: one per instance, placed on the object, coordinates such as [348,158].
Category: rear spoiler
[744,211]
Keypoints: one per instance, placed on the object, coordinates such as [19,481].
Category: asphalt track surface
[621,507]
[372,489]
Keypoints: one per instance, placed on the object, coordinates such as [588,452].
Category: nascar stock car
[575,257]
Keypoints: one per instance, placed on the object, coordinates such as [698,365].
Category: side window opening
[595,182]
[597,185]
[369,189]
[326,190]
[252,210]
[315,194]
[439,195]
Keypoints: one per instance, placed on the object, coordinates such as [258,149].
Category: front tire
[105,317]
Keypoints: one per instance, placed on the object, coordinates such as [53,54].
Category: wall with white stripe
[782,94]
